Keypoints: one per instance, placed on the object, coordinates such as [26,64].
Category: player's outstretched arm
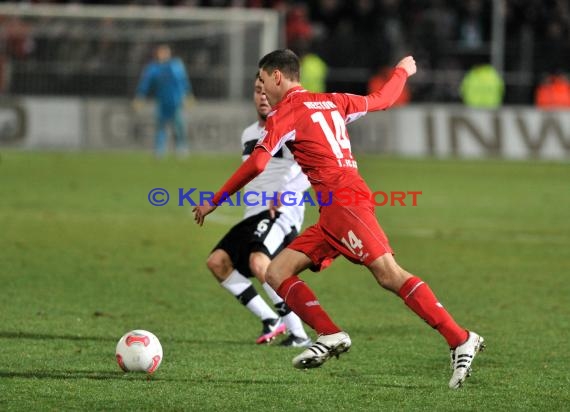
[248,170]
[389,93]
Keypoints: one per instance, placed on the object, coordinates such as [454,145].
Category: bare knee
[274,276]
[388,273]
[220,264]
[286,264]
[258,263]
[391,279]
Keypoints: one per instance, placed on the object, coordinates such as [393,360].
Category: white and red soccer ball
[139,350]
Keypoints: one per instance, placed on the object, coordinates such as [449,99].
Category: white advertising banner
[416,130]
[41,123]
[511,132]
[211,127]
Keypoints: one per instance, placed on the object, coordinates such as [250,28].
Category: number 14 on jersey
[338,140]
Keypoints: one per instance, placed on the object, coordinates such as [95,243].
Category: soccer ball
[139,350]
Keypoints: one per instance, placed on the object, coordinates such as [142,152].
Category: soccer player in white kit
[247,249]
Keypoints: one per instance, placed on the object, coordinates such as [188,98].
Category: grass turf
[84,257]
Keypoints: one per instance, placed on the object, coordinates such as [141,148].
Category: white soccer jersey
[282,174]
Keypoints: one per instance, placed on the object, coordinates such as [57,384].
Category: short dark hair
[284,60]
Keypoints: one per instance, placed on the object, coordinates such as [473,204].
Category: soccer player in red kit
[313,126]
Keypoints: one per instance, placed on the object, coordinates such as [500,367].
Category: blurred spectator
[482,87]
[327,15]
[4,74]
[473,24]
[378,79]
[433,31]
[554,46]
[446,36]
[17,35]
[391,30]
[313,72]
[16,44]
[298,27]
[553,92]
[314,69]
[364,16]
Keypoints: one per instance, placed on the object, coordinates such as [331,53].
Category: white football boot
[325,347]
[462,357]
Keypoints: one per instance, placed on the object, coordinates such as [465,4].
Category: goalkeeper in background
[166,80]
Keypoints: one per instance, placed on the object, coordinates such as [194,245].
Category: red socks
[301,299]
[420,298]
[415,293]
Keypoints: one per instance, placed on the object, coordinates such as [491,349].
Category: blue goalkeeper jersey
[167,82]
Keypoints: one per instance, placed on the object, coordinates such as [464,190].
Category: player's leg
[233,281]
[269,238]
[258,263]
[228,263]
[281,275]
[419,297]
[180,133]
[360,238]
[160,141]
[220,264]
[355,232]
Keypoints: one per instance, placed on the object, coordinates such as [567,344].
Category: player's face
[261,104]
[163,53]
[270,86]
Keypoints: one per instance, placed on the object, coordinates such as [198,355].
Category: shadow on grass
[137,377]
[46,336]
[380,381]
[96,375]
[225,380]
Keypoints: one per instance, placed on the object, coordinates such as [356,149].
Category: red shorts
[353,232]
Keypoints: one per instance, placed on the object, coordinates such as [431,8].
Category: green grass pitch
[84,258]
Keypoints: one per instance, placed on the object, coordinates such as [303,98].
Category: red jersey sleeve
[389,93]
[356,106]
[254,165]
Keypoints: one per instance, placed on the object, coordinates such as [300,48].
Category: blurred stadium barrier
[100,51]
[418,130]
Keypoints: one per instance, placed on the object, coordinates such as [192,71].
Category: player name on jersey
[320,105]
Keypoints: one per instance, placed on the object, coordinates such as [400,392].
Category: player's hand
[200,212]
[408,64]
[138,104]
[274,206]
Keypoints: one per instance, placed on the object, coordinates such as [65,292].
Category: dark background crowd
[356,38]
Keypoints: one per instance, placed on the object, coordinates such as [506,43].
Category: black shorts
[257,233]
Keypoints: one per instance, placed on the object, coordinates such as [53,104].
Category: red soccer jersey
[313,126]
